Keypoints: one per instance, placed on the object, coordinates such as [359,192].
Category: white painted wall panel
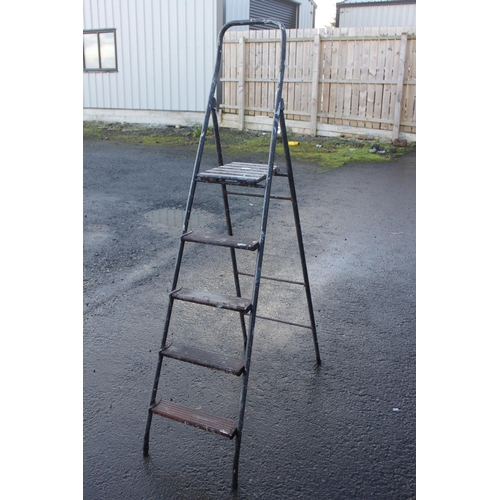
[306,14]
[378,15]
[236,10]
[165,54]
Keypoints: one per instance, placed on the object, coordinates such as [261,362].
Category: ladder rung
[213,299]
[197,418]
[270,278]
[245,174]
[203,358]
[223,240]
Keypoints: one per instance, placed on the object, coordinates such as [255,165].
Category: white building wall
[165,56]
[165,51]
[306,14]
[378,15]
[235,10]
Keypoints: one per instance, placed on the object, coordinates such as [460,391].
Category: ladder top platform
[236,173]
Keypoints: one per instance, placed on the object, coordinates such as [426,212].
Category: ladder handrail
[211,96]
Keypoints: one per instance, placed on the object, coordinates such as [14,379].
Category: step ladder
[248,176]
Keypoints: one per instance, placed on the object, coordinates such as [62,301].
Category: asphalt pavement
[344,430]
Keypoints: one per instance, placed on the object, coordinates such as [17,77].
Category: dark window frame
[100,69]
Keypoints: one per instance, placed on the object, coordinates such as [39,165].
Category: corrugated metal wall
[165,51]
[378,15]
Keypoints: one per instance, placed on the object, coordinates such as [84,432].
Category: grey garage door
[285,11]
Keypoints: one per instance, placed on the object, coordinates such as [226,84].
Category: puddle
[173,218]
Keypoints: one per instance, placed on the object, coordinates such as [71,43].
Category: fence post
[315,83]
[399,88]
[241,82]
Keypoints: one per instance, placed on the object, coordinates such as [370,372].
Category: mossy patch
[140,134]
[327,152]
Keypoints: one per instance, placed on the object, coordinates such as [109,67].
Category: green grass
[333,153]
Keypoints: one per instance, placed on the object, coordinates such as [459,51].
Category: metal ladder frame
[278,120]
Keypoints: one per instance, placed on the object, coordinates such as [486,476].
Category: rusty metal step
[244,174]
[197,418]
[200,357]
[223,240]
[213,299]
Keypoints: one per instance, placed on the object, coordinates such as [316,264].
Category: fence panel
[351,81]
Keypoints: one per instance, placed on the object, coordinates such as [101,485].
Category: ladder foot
[236,460]
[234,483]
[145,447]
[145,444]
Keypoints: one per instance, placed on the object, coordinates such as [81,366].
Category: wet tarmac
[344,430]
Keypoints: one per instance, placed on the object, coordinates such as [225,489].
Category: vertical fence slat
[399,91]
[349,75]
[265,73]
[315,83]
[386,90]
[241,82]
[326,75]
[290,74]
[363,88]
[334,86]
[377,111]
[258,71]
[372,73]
[273,72]
[410,87]
[355,87]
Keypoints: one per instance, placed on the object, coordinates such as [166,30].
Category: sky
[324,13]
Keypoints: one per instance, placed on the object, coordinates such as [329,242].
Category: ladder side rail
[215,123]
[201,143]
[277,105]
[145,448]
[260,252]
[267,194]
[185,226]
[298,230]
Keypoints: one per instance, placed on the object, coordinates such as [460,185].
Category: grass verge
[327,152]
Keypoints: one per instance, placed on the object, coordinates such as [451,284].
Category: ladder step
[244,174]
[223,240]
[197,418]
[213,299]
[203,358]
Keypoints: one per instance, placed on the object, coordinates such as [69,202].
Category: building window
[99,50]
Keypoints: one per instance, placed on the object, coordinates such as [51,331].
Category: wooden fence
[351,81]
